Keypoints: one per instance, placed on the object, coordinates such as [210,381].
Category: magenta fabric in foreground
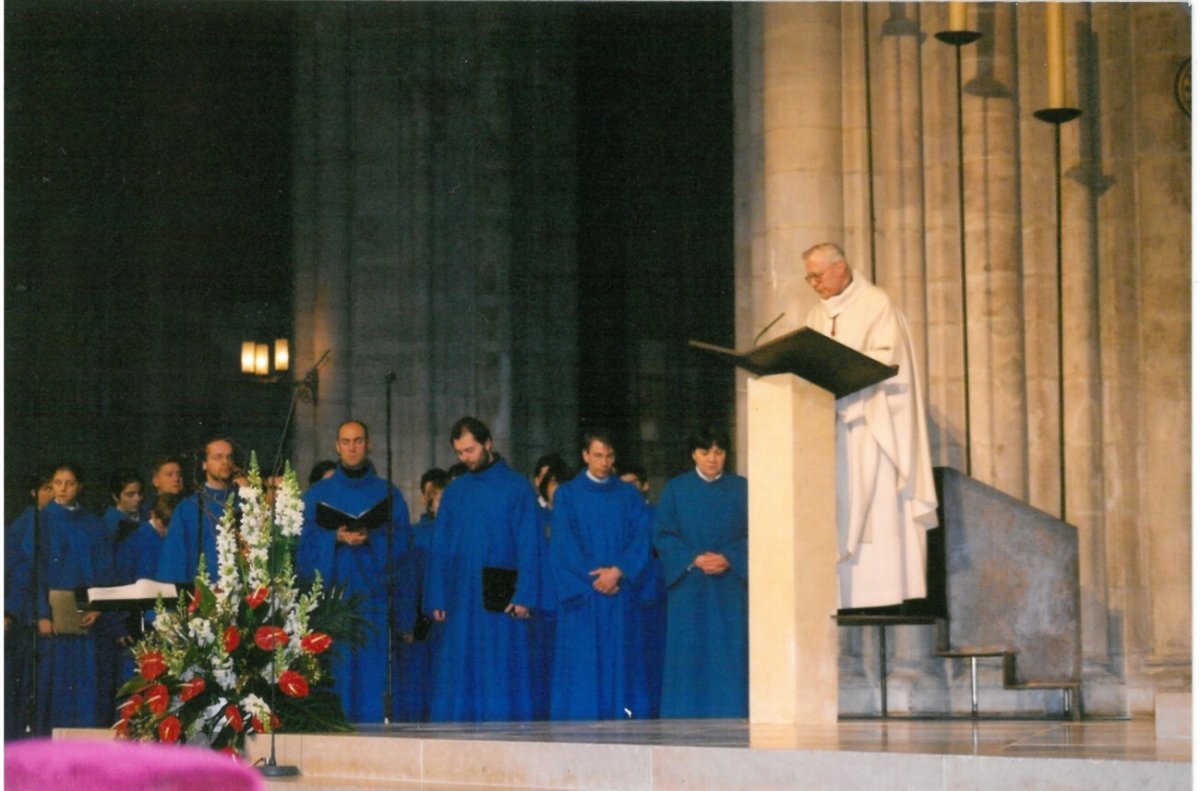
[44,764]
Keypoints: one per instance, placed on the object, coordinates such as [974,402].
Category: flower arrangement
[249,653]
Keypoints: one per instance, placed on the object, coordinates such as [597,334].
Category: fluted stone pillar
[435,225]
[994,265]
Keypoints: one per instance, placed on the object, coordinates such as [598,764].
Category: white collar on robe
[704,477]
[588,473]
[836,304]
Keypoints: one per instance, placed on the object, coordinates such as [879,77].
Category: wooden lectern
[792,472]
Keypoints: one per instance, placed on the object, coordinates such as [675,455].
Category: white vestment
[886,498]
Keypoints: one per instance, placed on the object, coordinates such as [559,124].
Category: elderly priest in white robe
[886,497]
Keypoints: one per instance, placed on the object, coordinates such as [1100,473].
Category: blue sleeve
[635,554]
[529,555]
[435,564]
[175,562]
[568,562]
[316,548]
[736,550]
[674,550]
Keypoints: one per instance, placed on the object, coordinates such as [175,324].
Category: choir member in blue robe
[700,534]
[166,477]
[20,626]
[356,558]
[418,634]
[653,599]
[181,552]
[599,549]
[113,635]
[551,471]
[487,519]
[76,555]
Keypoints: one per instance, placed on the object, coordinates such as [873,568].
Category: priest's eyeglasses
[815,277]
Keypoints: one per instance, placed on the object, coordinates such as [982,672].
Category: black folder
[332,518]
[810,355]
[499,586]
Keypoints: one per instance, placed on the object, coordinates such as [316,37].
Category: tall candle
[958,16]
[1056,59]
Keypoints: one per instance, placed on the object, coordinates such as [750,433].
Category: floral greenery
[250,653]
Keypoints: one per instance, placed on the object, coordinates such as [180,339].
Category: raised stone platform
[725,754]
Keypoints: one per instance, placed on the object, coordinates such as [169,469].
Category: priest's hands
[711,563]
[607,579]
[517,611]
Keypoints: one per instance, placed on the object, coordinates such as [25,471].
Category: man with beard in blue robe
[356,555]
[599,552]
[486,525]
[181,551]
[700,532]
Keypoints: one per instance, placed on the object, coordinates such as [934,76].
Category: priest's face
[471,452]
[599,458]
[827,278]
[352,445]
[710,461]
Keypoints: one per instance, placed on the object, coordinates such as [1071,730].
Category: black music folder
[332,518]
[810,355]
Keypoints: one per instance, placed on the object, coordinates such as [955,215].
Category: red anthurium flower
[233,639]
[157,699]
[234,717]
[293,684]
[151,665]
[258,597]
[268,637]
[191,689]
[257,724]
[169,730]
[194,604]
[130,707]
[316,642]
[122,729]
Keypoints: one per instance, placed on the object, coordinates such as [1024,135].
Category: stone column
[1162,169]
[994,271]
[427,241]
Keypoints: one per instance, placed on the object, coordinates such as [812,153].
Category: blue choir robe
[359,673]
[414,666]
[481,670]
[19,637]
[76,556]
[654,623]
[599,661]
[180,557]
[542,624]
[114,661]
[706,669]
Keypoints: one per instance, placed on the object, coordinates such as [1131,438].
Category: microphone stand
[388,381]
[271,768]
[31,701]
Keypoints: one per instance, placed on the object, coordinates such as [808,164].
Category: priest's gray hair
[826,251]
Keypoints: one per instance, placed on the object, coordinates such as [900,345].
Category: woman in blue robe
[359,672]
[700,533]
[600,523]
[543,623]
[76,555]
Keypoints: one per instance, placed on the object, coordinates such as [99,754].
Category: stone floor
[720,754]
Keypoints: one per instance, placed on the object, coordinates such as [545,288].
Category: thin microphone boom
[763,332]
